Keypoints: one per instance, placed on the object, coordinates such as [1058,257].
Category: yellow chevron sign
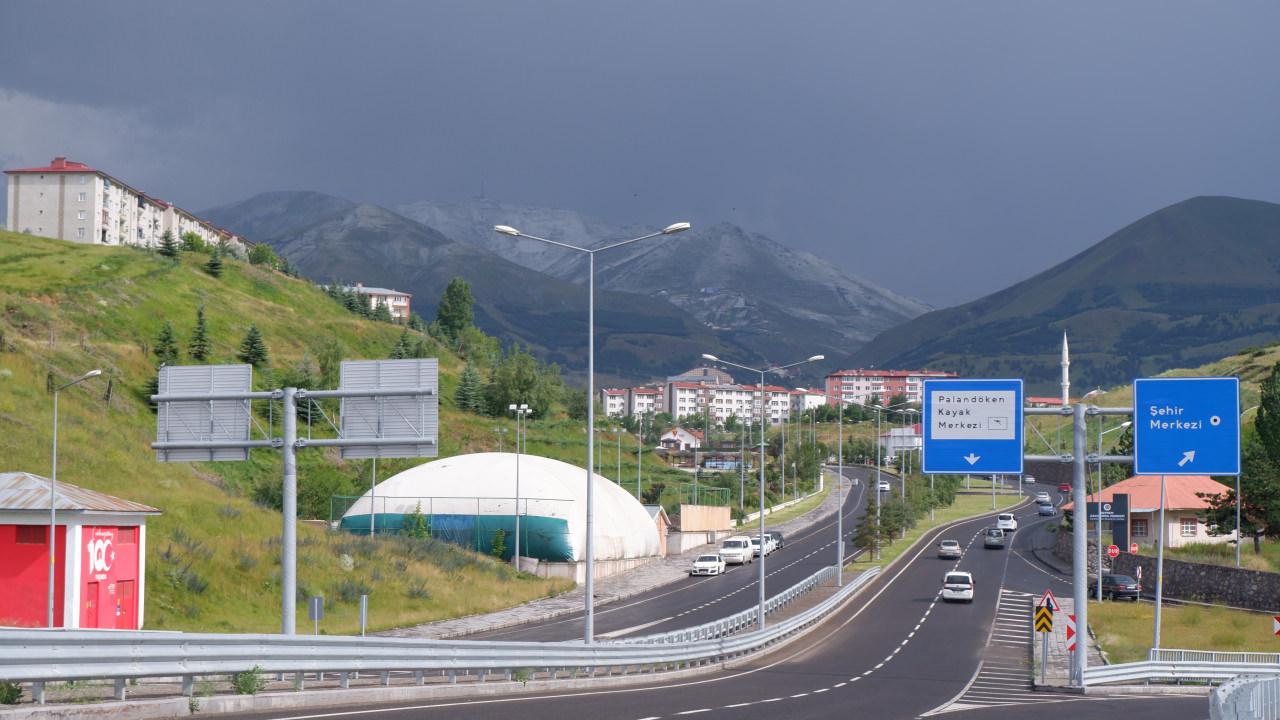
[1044,619]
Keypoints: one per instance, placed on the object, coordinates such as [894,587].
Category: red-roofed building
[681,439]
[613,401]
[70,200]
[860,386]
[1182,505]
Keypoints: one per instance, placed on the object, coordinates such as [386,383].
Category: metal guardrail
[1213,656]
[1175,671]
[745,619]
[40,656]
[1246,698]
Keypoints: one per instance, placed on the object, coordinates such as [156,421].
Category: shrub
[249,682]
[10,693]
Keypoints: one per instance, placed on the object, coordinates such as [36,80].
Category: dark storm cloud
[940,149]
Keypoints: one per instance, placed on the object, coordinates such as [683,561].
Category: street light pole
[762,371]
[589,585]
[1098,498]
[840,491]
[520,411]
[53,488]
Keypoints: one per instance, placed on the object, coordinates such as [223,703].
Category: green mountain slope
[212,556]
[1181,287]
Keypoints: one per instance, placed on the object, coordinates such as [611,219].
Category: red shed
[100,585]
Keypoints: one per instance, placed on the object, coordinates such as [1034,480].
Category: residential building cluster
[711,392]
[861,386]
[69,200]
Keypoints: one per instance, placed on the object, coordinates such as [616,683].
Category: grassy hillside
[1185,285]
[213,555]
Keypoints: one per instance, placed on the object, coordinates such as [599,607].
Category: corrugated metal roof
[25,491]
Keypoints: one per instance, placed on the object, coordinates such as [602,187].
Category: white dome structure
[468,498]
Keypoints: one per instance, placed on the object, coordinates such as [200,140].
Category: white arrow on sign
[972,458]
[1188,456]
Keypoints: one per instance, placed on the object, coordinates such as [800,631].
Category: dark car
[777,538]
[1120,586]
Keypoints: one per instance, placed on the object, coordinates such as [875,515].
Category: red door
[124,606]
[89,606]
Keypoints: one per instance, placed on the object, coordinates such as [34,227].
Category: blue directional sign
[973,427]
[1186,426]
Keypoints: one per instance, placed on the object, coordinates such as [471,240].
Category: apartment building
[803,399]
[860,386]
[399,302]
[69,200]
[647,400]
[614,401]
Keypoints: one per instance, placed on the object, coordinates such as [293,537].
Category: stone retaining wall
[1219,584]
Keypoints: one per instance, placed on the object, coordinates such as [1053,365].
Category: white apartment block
[803,399]
[399,302]
[647,401]
[614,402]
[724,401]
[71,201]
[861,386]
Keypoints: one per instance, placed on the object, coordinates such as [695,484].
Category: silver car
[949,550]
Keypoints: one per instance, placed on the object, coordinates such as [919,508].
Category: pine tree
[402,349]
[454,312]
[199,347]
[1267,421]
[252,349]
[382,313]
[470,393]
[214,266]
[166,349]
[169,246]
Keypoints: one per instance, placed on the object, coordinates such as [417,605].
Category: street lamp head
[1126,423]
[506,230]
[674,228]
[91,373]
[816,358]
[712,358]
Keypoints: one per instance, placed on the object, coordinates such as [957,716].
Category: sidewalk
[1058,668]
[616,587]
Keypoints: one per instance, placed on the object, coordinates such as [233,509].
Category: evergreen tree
[1267,421]
[470,393]
[402,349]
[454,312]
[252,349]
[199,347]
[214,266]
[382,313]
[421,349]
[416,323]
[169,246]
[166,349]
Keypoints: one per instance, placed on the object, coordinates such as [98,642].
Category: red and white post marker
[1071,633]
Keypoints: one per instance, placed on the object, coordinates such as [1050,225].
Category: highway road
[895,652]
[702,599]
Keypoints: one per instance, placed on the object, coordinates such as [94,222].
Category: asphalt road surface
[691,602]
[895,652]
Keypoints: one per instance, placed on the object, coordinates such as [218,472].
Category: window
[32,535]
[84,179]
[80,197]
[1189,526]
[1139,527]
[80,214]
[79,232]
[127,536]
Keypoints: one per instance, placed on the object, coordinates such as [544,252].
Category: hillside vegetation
[212,559]
[1185,285]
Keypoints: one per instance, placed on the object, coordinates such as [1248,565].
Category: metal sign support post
[289,535]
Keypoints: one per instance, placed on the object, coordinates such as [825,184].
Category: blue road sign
[1186,426]
[973,427]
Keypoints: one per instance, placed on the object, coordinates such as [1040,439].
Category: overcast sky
[942,149]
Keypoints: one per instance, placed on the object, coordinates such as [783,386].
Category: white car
[884,486]
[1043,497]
[1007,522]
[949,550]
[737,550]
[769,544]
[707,565]
[957,586]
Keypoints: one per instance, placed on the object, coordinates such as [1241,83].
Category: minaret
[1066,371]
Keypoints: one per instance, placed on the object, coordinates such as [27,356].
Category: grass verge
[1124,629]
[964,506]
[800,508]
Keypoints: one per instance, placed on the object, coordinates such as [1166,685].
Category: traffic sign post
[1113,551]
[972,426]
[1043,624]
[1049,601]
[1186,426]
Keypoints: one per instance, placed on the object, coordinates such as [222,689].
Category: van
[737,550]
